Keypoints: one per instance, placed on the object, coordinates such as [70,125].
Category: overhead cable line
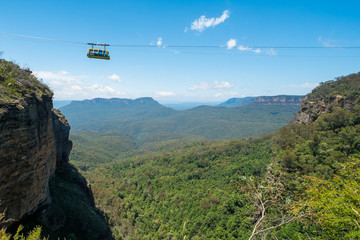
[180,46]
[40,38]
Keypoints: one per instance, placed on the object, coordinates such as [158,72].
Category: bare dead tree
[267,193]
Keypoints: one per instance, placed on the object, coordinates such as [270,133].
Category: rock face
[284,100]
[340,93]
[37,184]
[33,141]
[279,100]
[61,129]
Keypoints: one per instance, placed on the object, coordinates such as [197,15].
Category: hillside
[186,192]
[237,102]
[307,172]
[143,118]
[317,159]
[106,130]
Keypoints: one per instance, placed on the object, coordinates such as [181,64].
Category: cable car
[98,53]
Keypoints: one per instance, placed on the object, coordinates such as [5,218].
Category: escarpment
[28,150]
[38,186]
[343,92]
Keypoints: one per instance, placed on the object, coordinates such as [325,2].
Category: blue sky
[244,59]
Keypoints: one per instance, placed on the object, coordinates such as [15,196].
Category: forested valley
[299,182]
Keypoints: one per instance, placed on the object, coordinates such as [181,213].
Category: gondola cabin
[98,53]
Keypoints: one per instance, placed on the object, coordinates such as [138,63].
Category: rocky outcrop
[279,100]
[33,141]
[343,92]
[284,100]
[310,111]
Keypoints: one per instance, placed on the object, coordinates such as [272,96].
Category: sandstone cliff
[37,184]
[284,100]
[279,100]
[28,146]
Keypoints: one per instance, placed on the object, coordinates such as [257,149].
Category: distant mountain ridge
[290,100]
[124,101]
[145,118]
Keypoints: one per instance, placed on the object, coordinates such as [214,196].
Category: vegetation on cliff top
[346,86]
[17,84]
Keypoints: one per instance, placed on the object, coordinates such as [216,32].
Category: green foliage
[16,84]
[34,234]
[315,164]
[143,121]
[318,149]
[187,192]
[92,149]
[347,86]
[334,203]
[156,191]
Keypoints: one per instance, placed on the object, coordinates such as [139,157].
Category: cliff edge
[343,92]
[28,144]
[36,180]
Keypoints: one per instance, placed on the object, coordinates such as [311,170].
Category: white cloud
[164,94]
[304,85]
[249,49]
[213,85]
[59,76]
[159,42]
[325,43]
[244,48]
[258,50]
[271,52]
[222,85]
[66,86]
[201,86]
[115,77]
[202,23]
[231,43]
[76,87]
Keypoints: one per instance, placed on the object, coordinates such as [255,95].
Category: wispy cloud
[159,42]
[249,49]
[326,42]
[67,86]
[258,50]
[203,22]
[59,76]
[115,77]
[304,85]
[244,48]
[164,94]
[231,43]
[213,85]
[270,52]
